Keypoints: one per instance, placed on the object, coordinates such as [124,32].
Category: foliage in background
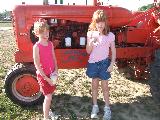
[6,15]
[146,7]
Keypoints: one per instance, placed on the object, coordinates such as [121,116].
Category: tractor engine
[60,30]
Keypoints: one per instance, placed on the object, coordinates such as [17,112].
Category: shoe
[107,113]
[52,115]
[94,112]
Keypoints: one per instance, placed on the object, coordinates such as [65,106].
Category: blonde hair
[40,26]
[99,16]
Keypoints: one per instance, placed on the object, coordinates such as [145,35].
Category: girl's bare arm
[113,51]
[89,45]
[55,59]
[113,58]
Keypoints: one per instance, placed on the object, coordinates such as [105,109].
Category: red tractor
[137,44]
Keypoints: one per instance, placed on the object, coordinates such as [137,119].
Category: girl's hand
[110,68]
[49,81]
[56,72]
[57,77]
[93,37]
[93,42]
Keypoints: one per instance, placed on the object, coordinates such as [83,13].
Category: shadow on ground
[78,108]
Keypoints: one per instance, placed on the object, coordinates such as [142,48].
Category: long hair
[99,16]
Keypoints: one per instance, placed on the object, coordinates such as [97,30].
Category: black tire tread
[16,70]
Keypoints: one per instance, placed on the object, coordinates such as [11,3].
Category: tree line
[145,7]
[5,16]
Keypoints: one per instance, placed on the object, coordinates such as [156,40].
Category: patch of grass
[5,24]
[11,111]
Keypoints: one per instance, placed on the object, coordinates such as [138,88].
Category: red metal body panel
[144,32]
[71,58]
[25,15]
[77,58]
[75,13]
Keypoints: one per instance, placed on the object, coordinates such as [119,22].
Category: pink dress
[47,65]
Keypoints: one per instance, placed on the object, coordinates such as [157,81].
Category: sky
[129,4]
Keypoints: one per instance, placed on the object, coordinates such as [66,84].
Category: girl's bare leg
[46,105]
[105,90]
[95,85]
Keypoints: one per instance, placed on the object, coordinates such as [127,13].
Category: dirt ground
[129,99]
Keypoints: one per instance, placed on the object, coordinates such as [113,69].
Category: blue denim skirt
[99,69]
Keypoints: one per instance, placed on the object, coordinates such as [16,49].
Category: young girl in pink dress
[45,63]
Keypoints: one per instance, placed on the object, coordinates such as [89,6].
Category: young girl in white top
[99,40]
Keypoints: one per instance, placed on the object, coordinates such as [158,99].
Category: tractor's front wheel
[21,86]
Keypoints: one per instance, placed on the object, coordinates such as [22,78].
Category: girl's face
[45,35]
[100,26]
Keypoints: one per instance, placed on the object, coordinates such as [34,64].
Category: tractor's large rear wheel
[154,80]
[21,86]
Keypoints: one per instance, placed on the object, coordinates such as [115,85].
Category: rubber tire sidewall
[10,80]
